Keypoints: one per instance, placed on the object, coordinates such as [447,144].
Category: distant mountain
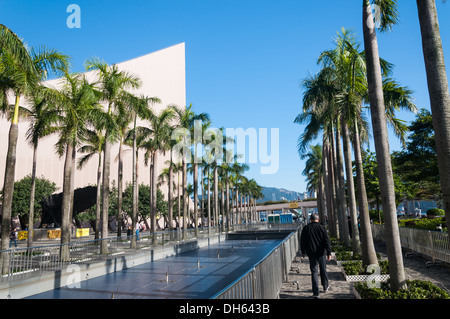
[277,194]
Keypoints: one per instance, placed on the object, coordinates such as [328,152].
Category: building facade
[162,74]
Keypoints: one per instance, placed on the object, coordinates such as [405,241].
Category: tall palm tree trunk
[105,196]
[134,210]
[369,256]
[321,199]
[327,191]
[209,202]
[202,187]
[351,189]
[98,197]
[185,199]
[332,187]
[228,204]
[216,198]
[179,201]
[236,198]
[335,181]
[169,192]
[438,91]
[154,195]
[8,189]
[343,223]
[380,135]
[195,182]
[66,203]
[222,207]
[32,195]
[328,187]
[10,167]
[119,190]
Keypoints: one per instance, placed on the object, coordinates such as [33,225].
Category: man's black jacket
[314,240]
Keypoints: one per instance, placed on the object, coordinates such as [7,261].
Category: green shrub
[417,289]
[424,223]
[347,255]
[355,267]
[435,212]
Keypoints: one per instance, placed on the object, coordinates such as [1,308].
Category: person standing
[315,243]
[13,237]
[138,228]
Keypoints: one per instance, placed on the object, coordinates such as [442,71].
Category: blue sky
[245,59]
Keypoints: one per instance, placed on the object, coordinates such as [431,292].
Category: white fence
[433,244]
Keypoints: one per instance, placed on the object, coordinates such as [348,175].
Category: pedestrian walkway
[298,285]
[416,268]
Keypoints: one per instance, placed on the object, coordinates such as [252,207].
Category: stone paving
[298,285]
[416,268]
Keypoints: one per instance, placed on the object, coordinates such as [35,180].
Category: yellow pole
[16,110]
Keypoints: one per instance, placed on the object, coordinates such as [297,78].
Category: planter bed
[356,273]
[417,289]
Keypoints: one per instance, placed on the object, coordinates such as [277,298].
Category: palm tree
[214,154]
[236,179]
[41,115]
[380,134]
[94,143]
[255,194]
[79,108]
[158,140]
[139,106]
[21,70]
[170,180]
[165,177]
[113,85]
[198,131]
[321,112]
[177,168]
[129,109]
[433,54]
[343,80]
[225,171]
[251,190]
[186,119]
[352,67]
[123,118]
[206,180]
[348,70]
[314,173]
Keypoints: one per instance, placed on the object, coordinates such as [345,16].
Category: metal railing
[20,263]
[433,244]
[265,279]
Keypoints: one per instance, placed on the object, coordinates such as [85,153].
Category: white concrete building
[162,74]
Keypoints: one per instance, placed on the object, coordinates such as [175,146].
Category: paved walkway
[298,285]
[416,268]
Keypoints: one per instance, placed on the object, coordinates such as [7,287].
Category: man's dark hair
[314,216]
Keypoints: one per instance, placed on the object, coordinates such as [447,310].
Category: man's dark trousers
[316,264]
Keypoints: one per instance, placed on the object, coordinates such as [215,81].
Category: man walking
[314,242]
